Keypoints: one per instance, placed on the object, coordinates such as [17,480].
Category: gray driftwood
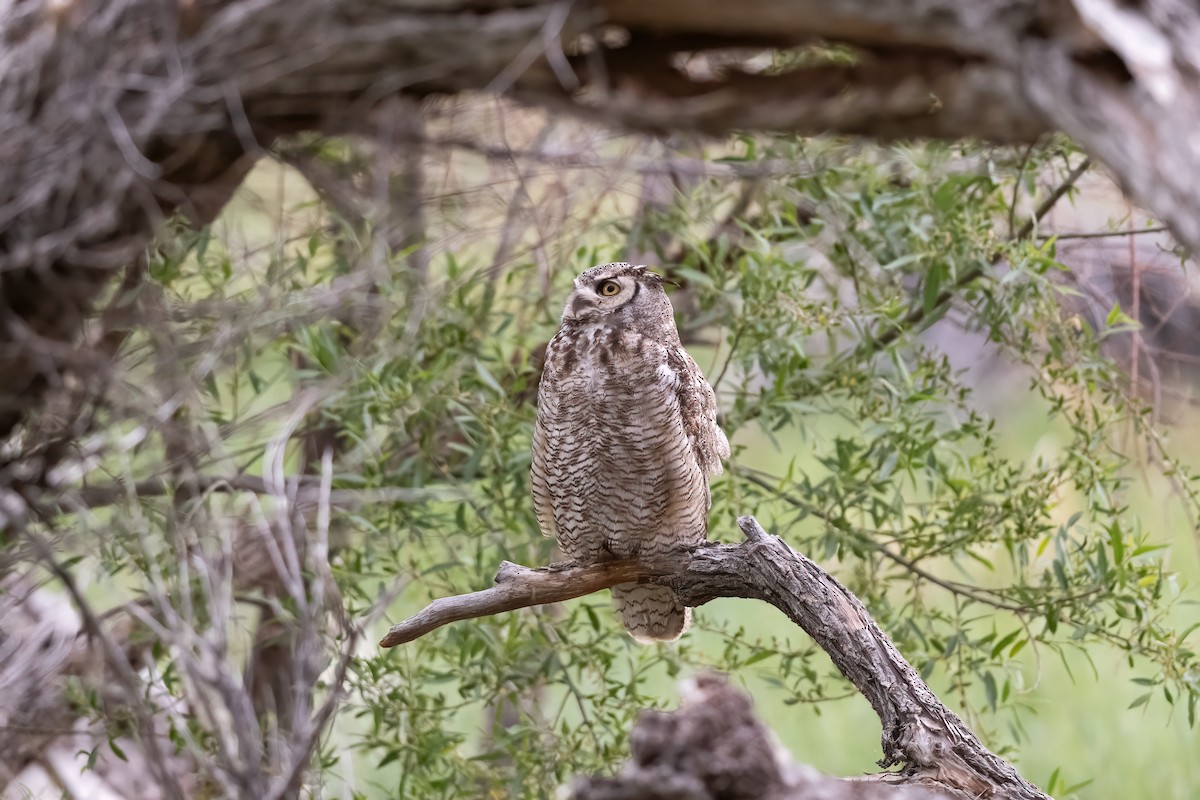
[933,746]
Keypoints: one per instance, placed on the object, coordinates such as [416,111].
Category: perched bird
[626,438]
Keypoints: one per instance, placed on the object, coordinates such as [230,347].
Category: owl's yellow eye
[610,288]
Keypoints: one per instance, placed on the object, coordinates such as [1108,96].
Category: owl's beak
[582,304]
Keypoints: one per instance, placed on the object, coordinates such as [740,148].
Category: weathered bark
[919,731]
[116,114]
[714,748]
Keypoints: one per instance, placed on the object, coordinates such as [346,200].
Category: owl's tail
[651,613]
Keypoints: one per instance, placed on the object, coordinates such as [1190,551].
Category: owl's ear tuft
[660,279]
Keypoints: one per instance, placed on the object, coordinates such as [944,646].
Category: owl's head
[620,292]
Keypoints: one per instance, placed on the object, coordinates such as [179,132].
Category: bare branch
[522,587]
[1103,234]
[303,490]
[918,730]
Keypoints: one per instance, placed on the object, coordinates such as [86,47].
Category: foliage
[821,310]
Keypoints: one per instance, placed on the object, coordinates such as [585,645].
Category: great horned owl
[625,439]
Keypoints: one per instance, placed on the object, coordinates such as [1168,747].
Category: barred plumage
[626,437]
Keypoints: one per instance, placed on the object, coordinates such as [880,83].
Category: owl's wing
[538,479]
[698,404]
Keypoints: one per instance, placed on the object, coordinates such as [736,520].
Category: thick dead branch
[889,97]
[919,731]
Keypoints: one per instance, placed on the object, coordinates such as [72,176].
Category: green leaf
[998,648]
[1140,701]
[989,689]
[931,288]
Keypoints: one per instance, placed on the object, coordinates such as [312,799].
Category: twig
[1103,234]
[1052,199]
[307,490]
[918,730]
[670,165]
[1135,341]
[1012,206]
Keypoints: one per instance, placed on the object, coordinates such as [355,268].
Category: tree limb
[889,96]
[919,731]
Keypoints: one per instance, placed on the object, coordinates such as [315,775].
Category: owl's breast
[621,476]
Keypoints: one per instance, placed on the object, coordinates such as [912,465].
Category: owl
[626,438]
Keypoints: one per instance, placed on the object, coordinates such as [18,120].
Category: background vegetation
[972,423]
